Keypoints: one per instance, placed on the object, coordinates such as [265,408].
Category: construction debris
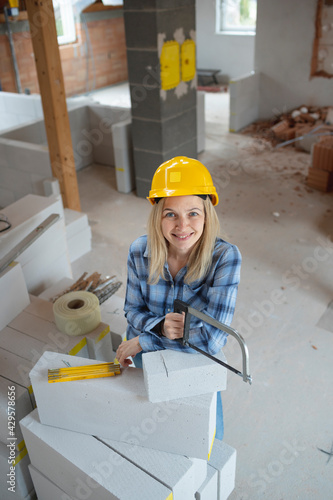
[291,127]
[102,288]
[308,129]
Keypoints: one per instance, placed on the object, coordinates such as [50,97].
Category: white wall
[233,55]
[283,52]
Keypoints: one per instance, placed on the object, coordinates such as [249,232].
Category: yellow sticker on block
[102,335]
[175,176]
[188,60]
[78,347]
[21,455]
[21,445]
[170,65]
[211,446]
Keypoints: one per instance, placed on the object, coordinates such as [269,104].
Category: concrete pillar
[160,39]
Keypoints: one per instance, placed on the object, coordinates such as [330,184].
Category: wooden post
[51,84]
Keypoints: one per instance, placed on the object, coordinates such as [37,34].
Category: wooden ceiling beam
[52,89]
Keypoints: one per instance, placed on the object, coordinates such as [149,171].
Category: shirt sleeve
[221,302]
[139,318]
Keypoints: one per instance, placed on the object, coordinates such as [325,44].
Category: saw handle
[179,307]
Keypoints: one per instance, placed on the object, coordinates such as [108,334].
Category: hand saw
[180,306]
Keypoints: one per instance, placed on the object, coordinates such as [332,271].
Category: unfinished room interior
[105,108]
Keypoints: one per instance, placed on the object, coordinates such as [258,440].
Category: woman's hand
[173,327]
[128,348]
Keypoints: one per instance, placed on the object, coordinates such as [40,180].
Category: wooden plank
[51,84]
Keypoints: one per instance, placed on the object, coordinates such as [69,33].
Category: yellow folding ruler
[82,372]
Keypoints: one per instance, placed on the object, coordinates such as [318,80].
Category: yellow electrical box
[170,67]
[14,4]
[188,60]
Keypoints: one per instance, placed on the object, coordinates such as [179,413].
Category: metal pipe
[12,50]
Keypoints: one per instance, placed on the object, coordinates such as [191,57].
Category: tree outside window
[236,15]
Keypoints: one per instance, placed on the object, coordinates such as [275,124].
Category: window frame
[68,21]
[232,30]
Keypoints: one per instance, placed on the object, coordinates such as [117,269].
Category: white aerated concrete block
[16,369]
[223,459]
[51,186]
[46,489]
[21,344]
[25,215]
[79,244]
[117,408]
[201,123]
[84,467]
[96,344]
[180,474]
[58,287]
[14,472]
[40,308]
[112,313]
[123,156]
[14,295]
[75,221]
[47,257]
[172,374]
[244,98]
[208,489]
[22,407]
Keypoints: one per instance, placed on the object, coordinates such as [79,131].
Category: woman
[181,258]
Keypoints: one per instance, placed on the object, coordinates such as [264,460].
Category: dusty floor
[285,233]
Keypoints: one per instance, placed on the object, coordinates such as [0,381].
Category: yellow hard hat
[182,176]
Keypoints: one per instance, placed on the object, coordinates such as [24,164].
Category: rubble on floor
[307,129]
[293,125]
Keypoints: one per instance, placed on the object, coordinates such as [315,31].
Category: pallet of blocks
[28,330]
[320,174]
[137,448]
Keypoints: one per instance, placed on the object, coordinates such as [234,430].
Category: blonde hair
[200,258]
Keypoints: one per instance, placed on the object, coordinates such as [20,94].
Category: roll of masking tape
[77,313]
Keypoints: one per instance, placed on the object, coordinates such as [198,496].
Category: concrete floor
[285,232]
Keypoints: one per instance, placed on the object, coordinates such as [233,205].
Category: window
[65,22]
[237,16]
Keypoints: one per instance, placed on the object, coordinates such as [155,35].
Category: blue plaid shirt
[146,305]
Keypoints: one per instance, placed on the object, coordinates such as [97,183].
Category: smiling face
[183,221]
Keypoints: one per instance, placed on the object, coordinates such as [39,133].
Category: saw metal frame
[180,306]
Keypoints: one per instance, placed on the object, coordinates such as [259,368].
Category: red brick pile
[320,175]
[302,121]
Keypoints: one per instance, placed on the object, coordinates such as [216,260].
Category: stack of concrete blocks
[244,101]
[163,120]
[78,234]
[100,134]
[24,155]
[18,109]
[31,331]
[128,436]
[320,174]
[47,258]
[14,386]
